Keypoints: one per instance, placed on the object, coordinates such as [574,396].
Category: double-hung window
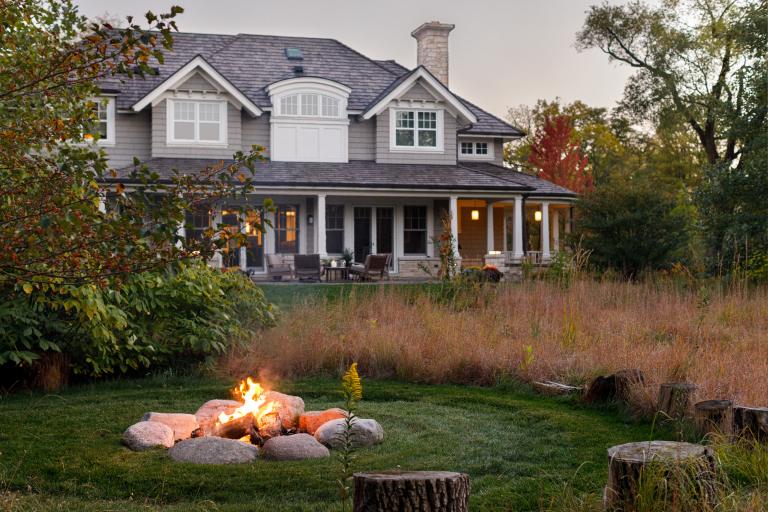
[196,222]
[417,129]
[334,228]
[415,230]
[104,121]
[287,230]
[197,122]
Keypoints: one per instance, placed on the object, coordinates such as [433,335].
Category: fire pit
[260,424]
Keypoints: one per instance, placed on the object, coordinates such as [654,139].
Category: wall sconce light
[537,215]
[475,214]
[310,219]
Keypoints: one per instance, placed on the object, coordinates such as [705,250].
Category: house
[363,154]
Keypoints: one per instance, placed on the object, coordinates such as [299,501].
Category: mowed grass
[63,452]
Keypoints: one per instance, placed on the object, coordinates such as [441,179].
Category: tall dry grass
[532,331]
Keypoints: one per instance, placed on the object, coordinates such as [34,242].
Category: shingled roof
[368,174]
[252,62]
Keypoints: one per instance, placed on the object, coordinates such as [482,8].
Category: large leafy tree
[693,59]
[558,157]
[54,179]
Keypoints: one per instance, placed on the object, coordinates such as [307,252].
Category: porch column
[489,227]
[517,234]
[453,206]
[545,253]
[556,230]
[320,223]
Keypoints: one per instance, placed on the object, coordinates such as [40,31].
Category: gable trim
[197,63]
[420,73]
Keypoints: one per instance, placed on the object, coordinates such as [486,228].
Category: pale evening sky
[502,52]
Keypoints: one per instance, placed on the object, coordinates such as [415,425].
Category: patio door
[385,231]
[362,230]
[254,245]
[230,253]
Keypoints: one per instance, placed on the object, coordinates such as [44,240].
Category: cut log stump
[713,417]
[663,469]
[419,491]
[614,387]
[676,400]
[751,422]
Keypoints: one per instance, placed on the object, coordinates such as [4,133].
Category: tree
[632,225]
[694,58]
[558,156]
[53,178]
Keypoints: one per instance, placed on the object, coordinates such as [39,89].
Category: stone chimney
[432,48]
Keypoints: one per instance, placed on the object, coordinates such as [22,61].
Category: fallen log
[549,387]
[269,426]
[233,429]
[676,400]
[713,417]
[751,422]
[663,470]
[395,491]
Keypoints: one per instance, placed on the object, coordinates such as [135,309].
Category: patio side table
[336,274]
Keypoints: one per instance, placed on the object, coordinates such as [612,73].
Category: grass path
[63,452]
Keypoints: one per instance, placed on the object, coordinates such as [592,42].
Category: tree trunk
[676,400]
[614,387]
[751,422]
[661,471]
[414,491]
[714,416]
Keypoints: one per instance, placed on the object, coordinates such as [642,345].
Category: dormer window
[309,105]
[417,130]
[197,122]
[479,150]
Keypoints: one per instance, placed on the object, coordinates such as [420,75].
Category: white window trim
[439,148]
[474,155]
[110,139]
[169,121]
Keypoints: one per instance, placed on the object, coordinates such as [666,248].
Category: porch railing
[530,256]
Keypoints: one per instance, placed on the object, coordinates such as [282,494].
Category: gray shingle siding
[384,155]
[255,131]
[160,147]
[362,139]
[132,139]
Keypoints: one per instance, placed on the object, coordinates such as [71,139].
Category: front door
[362,245]
[385,230]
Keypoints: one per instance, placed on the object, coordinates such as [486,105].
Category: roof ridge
[493,116]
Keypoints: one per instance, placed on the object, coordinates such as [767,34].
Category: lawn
[62,451]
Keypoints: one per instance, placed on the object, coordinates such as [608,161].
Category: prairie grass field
[714,337]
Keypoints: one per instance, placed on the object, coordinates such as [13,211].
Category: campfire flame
[254,403]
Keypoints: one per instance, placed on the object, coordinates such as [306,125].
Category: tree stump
[713,416]
[416,491]
[751,422]
[663,470]
[614,387]
[676,400]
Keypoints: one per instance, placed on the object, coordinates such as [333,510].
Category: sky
[503,53]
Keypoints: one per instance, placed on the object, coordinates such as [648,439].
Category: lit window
[334,228]
[287,230]
[415,230]
[104,121]
[416,129]
[197,121]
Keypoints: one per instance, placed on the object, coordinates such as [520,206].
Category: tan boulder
[310,421]
[290,408]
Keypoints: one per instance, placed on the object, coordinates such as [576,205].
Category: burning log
[269,425]
[233,429]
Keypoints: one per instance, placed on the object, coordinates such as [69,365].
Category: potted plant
[347,256]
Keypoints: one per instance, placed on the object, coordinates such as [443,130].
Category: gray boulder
[365,432]
[146,435]
[209,412]
[293,447]
[181,424]
[213,450]
[290,408]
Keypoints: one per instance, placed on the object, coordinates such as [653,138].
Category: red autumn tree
[558,156]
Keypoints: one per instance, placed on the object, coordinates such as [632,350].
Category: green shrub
[154,319]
